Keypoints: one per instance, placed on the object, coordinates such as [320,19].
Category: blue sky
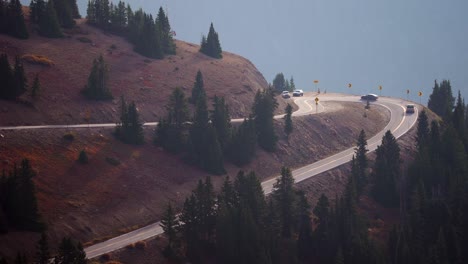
[399,44]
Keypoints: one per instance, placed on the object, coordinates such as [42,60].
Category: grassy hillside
[146,81]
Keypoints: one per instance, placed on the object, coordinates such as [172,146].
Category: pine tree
[43,254]
[20,199]
[361,161]
[283,194]
[19,79]
[198,89]
[288,125]
[279,83]
[129,129]
[162,22]
[97,87]
[221,120]
[74,9]
[170,226]
[204,148]
[304,240]
[263,111]
[292,85]
[70,252]
[6,78]
[210,45]
[37,10]
[243,144]
[441,101]
[64,12]
[169,132]
[387,171]
[48,22]
[422,135]
[458,119]
[16,26]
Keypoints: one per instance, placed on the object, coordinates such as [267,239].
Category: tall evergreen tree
[387,171]
[198,89]
[441,101]
[204,148]
[263,111]
[37,8]
[304,240]
[288,124]
[292,85]
[170,226]
[19,78]
[210,45]
[48,22]
[162,22]
[283,194]
[221,120]
[70,252]
[279,83]
[130,128]
[74,8]
[16,26]
[169,132]
[422,135]
[97,87]
[6,77]
[20,198]
[361,161]
[244,143]
[43,253]
[64,12]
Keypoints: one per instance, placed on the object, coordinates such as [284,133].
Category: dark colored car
[370,97]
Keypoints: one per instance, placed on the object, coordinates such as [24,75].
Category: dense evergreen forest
[151,37]
[241,225]
[211,138]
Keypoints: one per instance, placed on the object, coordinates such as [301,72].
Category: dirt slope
[147,82]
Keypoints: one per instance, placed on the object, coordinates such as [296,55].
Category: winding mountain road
[399,124]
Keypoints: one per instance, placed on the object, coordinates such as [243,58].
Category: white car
[285,94]
[298,93]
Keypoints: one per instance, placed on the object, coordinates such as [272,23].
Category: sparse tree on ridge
[210,45]
[279,83]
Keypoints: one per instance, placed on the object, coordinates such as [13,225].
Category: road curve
[399,124]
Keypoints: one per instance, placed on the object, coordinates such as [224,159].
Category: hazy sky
[399,44]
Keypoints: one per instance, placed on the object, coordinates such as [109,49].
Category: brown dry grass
[37,59]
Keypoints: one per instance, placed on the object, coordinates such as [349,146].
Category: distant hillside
[146,81]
